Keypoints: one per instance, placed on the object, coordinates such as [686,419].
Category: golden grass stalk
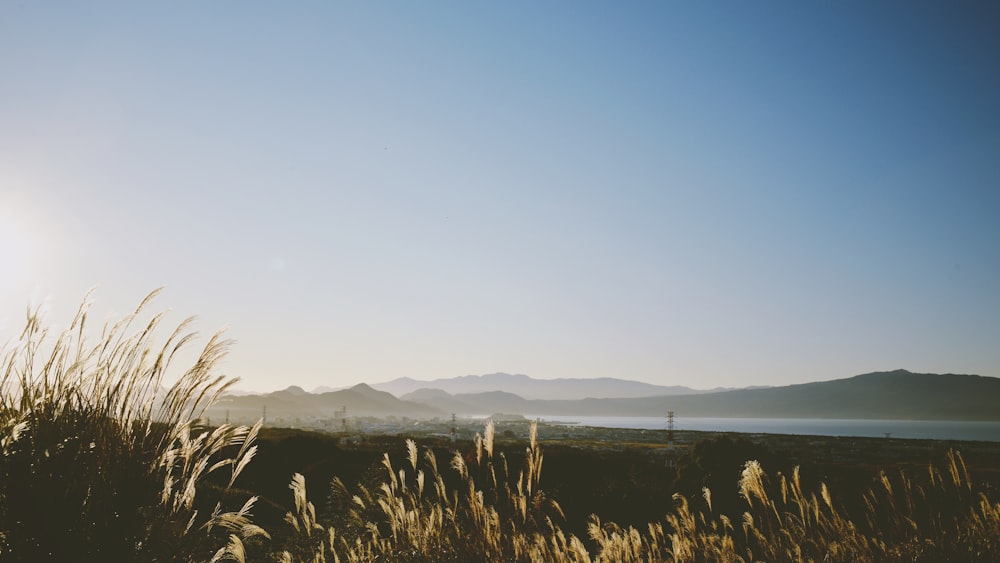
[88,430]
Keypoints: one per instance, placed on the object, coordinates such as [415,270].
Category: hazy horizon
[706,195]
[285,384]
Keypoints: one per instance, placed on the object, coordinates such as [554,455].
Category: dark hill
[291,403]
[440,400]
[881,395]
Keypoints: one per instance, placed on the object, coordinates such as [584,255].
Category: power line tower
[671,452]
[454,429]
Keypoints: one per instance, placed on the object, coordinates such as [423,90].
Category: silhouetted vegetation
[100,461]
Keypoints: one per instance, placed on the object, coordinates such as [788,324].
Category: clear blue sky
[696,193]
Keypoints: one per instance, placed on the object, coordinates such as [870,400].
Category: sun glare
[14,251]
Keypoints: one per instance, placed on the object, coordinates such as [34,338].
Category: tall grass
[494,516]
[102,457]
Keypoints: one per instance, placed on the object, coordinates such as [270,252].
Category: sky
[683,193]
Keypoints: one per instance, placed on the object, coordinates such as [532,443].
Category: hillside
[292,402]
[898,394]
[882,395]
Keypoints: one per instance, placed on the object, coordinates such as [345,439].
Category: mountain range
[881,395]
[531,388]
[294,402]
[898,394]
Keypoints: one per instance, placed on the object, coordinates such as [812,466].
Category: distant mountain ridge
[898,394]
[531,388]
[293,401]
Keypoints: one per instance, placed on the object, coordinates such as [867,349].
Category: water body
[917,429]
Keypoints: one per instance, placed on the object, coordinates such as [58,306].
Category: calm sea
[923,429]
